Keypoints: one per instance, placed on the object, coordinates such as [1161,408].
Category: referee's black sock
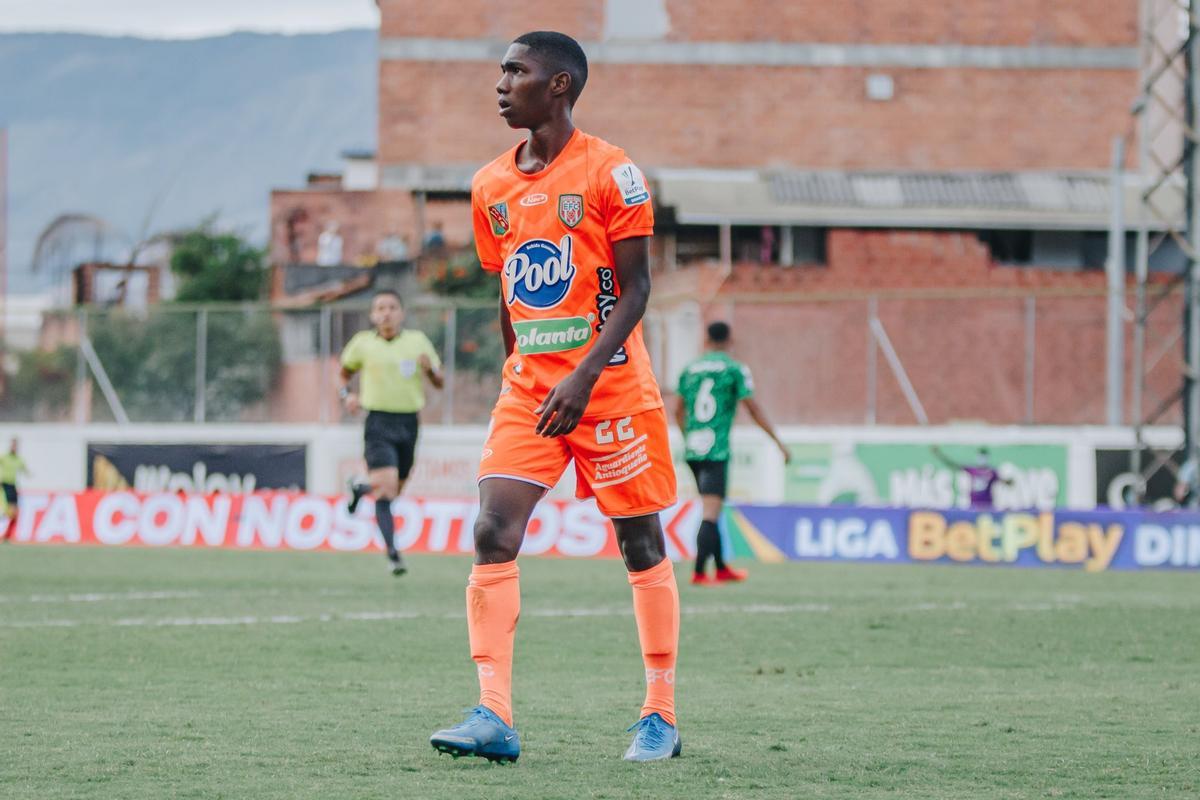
[357,490]
[383,515]
[708,543]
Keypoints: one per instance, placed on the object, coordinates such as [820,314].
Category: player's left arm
[351,363]
[433,373]
[431,365]
[565,403]
[760,418]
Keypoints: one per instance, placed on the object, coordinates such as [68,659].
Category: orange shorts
[625,463]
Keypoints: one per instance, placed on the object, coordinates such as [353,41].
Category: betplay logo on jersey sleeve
[631,183]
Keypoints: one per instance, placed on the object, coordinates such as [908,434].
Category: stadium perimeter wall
[1063,467]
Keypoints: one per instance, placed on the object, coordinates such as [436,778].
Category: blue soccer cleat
[655,740]
[481,734]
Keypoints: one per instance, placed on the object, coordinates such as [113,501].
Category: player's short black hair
[389,292]
[718,332]
[562,54]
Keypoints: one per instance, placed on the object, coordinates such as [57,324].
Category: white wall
[447,457]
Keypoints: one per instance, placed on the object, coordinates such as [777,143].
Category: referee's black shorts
[390,440]
[712,477]
[10,493]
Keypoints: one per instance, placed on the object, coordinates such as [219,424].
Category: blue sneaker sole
[461,751]
[674,754]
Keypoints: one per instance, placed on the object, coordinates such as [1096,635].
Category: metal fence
[868,359]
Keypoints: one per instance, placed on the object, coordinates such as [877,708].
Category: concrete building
[800,152]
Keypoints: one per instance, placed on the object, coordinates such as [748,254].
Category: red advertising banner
[288,521]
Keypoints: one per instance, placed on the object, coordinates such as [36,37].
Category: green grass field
[136,673]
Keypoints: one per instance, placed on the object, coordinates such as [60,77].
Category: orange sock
[656,607]
[493,605]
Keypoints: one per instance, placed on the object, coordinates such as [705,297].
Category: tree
[151,362]
[40,389]
[151,359]
[480,347]
[216,267]
[462,276]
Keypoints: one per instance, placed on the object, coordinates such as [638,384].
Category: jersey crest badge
[498,214]
[570,209]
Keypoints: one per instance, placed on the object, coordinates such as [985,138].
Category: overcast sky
[186,19]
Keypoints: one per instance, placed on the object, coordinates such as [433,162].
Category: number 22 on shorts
[606,432]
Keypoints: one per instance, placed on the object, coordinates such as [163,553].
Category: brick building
[806,155]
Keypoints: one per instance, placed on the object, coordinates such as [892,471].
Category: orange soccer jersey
[550,234]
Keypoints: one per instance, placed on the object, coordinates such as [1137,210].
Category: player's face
[386,314]
[524,88]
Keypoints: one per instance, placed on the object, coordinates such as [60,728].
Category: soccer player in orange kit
[566,220]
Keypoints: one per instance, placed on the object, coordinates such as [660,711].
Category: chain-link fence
[870,359]
[922,357]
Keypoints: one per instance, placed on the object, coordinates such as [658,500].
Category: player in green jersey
[710,388]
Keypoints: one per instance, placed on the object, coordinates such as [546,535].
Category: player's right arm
[506,329]
[490,258]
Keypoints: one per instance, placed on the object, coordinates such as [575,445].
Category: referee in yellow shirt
[394,364]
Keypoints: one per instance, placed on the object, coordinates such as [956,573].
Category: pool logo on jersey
[539,273]
[570,209]
[498,214]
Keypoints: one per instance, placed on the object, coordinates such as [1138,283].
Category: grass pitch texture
[137,673]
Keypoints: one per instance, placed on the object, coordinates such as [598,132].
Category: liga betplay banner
[288,521]
[1087,540]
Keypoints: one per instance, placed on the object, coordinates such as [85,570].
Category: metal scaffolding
[1165,116]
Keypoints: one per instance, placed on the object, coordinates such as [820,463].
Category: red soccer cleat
[728,574]
[700,579]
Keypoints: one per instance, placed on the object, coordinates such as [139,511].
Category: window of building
[1009,247]
[755,244]
[697,243]
[1072,250]
[808,246]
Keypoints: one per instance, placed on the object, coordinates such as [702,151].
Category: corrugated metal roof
[1081,194]
[892,199]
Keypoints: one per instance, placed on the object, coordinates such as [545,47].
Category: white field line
[99,597]
[552,613]
[389,616]
[135,595]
